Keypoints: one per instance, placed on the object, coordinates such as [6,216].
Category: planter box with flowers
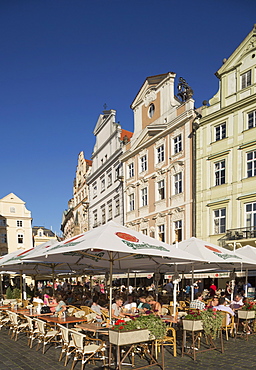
[193,321]
[138,329]
[208,320]
[247,312]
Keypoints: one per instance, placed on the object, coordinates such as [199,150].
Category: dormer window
[246,79]
[151,110]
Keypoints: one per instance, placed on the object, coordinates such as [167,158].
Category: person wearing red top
[213,289]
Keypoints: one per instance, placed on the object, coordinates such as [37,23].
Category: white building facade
[106,178]
[75,218]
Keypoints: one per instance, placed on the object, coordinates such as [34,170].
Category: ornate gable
[237,57]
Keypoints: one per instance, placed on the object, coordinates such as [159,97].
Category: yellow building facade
[15,225]
[226,153]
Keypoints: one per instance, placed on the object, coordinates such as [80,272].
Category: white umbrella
[212,254]
[114,246]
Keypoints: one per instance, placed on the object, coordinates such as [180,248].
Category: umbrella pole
[192,283]
[175,283]
[24,287]
[246,283]
[110,286]
[1,285]
[128,281]
[21,286]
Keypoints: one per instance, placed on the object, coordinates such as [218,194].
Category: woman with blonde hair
[155,306]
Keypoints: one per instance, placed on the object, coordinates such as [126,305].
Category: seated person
[97,308]
[130,305]
[116,309]
[38,299]
[143,305]
[61,305]
[197,302]
[222,306]
[154,305]
[213,303]
[237,302]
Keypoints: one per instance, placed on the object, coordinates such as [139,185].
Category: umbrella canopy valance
[125,248]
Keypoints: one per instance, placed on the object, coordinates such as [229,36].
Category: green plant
[193,315]
[9,293]
[151,322]
[16,293]
[212,321]
[249,306]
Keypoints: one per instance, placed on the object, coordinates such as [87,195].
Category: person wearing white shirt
[222,307]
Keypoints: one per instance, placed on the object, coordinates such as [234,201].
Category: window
[220,173]
[2,222]
[109,178]
[130,170]
[12,209]
[3,238]
[177,144]
[160,190]
[220,132]
[118,172]
[20,238]
[19,223]
[144,197]
[110,214]
[251,119]
[103,185]
[144,231]
[160,154]
[117,208]
[178,183]
[103,215]
[250,209]
[143,163]
[220,221]
[151,110]
[94,189]
[95,219]
[178,230]
[131,205]
[161,233]
[251,164]
[246,79]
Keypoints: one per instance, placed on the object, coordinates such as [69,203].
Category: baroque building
[158,161]
[106,178]
[226,153]
[42,235]
[15,225]
[75,218]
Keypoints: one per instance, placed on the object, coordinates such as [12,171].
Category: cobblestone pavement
[239,354]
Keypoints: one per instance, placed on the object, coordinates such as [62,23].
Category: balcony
[242,236]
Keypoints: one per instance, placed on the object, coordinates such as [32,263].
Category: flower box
[192,325]
[246,315]
[121,338]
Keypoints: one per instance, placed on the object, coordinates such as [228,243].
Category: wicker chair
[68,346]
[168,340]
[45,336]
[86,349]
[228,323]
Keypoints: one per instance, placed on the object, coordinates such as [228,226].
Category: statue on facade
[185,91]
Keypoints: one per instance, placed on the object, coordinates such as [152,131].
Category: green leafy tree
[9,293]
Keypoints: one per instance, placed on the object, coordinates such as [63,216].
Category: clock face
[151,110]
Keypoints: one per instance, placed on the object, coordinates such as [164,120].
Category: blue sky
[62,60]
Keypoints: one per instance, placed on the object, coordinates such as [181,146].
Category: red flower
[121,327]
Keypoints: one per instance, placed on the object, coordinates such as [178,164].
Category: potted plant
[193,321]
[212,321]
[247,312]
[138,329]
